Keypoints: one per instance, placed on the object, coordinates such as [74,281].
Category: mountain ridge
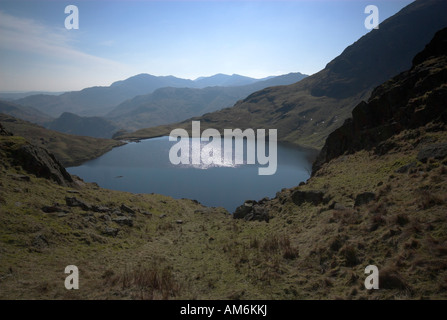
[167,105]
[98,100]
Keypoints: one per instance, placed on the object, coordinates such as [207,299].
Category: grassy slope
[70,150]
[304,251]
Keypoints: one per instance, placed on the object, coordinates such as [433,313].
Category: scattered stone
[118,213]
[337,206]
[364,198]
[101,209]
[20,177]
[109,231]
[105,217]
[163,216]
[179,221]
[127,209]
[123,221]
[436,151]
[147,213]
[74,202]
[72,191]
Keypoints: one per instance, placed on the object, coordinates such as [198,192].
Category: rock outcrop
[409,100]
[252,211]
[35,160]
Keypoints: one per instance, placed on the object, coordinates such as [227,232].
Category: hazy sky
[188,39]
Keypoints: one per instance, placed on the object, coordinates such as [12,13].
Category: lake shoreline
[144,167]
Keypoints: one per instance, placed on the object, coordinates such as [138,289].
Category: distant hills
[9,96]
[137,102]
[84,126]
[224,80]
[307,111]
[25,113]
[98,101]
[168,105]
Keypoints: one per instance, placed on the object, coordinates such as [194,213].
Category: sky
[187,39]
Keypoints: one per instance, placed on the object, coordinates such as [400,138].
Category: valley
[374,120]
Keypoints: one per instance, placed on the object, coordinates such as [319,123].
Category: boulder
[435,151]
[109,231]
[101,209]
[40,162]
[74,202]
[244,209]
[406,167]
[123,221]
[252,211]
[314,197]
[127,209]
[20,177]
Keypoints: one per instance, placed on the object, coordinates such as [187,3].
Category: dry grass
[145,282]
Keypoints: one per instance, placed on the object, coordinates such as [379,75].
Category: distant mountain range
[307,111]
[102,111]
[9,96]
[98,101]
[168,105]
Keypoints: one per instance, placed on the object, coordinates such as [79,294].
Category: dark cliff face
[409,100]
[35,160]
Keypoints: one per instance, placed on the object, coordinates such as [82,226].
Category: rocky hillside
[17,151]
[408,101]
[378,193]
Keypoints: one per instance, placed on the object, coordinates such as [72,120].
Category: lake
[144,167]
